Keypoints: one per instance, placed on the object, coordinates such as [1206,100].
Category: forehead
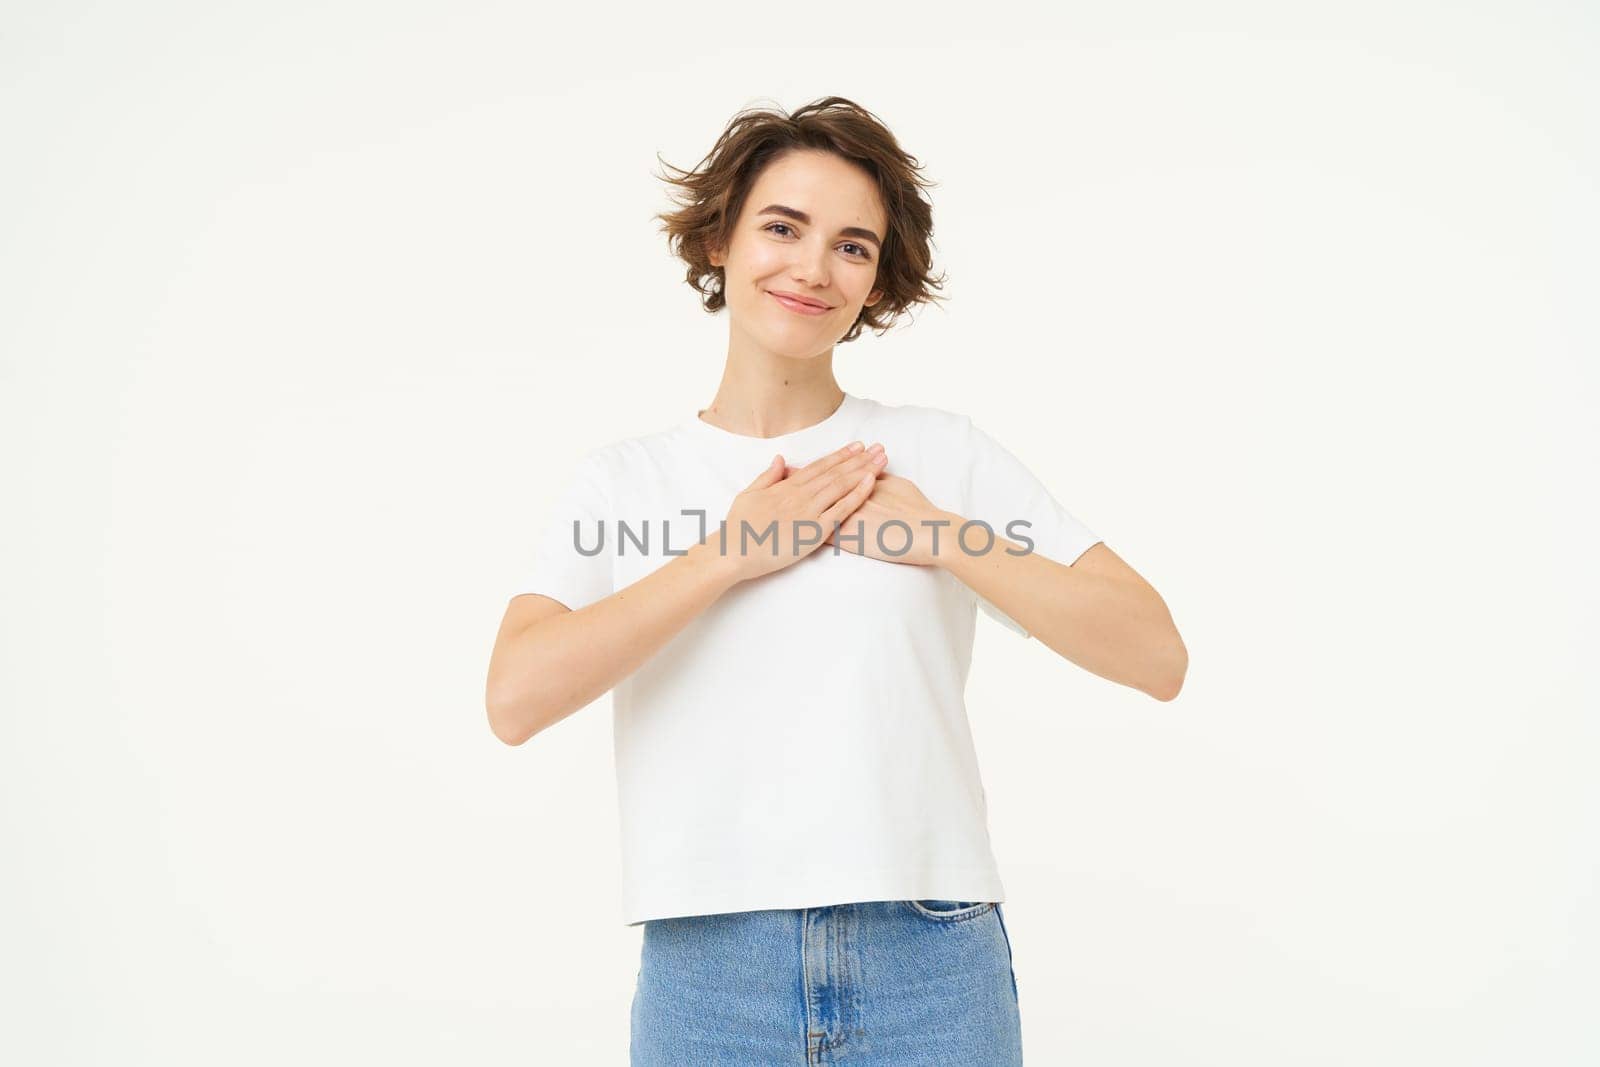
[833,191]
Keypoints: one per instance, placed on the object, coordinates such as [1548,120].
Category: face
[811,226]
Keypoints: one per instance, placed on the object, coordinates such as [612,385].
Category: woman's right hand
[824,492]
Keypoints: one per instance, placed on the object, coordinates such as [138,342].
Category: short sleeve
[569,562]
[1000,490]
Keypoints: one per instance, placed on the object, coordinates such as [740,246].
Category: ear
[872,298]
[717,256]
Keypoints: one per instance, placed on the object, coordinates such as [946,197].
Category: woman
[782,591]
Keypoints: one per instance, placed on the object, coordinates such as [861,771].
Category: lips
[797,303]
[799,299]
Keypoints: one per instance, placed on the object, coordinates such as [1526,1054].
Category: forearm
[1117,628]
[563,663]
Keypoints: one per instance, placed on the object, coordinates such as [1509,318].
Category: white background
[310,307]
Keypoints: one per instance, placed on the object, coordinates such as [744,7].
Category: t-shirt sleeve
[1000,489]
[566,563]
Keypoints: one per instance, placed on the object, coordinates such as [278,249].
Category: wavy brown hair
[710,198]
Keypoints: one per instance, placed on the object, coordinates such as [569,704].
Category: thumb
[773,473]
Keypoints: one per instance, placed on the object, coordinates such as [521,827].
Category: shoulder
[956,430]
[612,462]
[923,420]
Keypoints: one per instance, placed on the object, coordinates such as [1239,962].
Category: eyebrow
[802,217]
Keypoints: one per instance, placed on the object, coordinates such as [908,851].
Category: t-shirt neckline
[839,418]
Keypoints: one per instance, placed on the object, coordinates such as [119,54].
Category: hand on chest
[877,563]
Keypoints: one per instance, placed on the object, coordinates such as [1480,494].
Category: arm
[1098,612]
[549,661]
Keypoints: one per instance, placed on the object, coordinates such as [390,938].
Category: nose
[810,266]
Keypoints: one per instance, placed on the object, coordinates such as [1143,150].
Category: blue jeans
[901,982]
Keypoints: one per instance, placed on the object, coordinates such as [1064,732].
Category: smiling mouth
[798,304]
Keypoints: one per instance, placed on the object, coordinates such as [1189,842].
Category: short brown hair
[713,194]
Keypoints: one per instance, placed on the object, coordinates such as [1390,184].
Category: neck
[764,395]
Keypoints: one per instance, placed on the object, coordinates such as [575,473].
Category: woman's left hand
[896,498]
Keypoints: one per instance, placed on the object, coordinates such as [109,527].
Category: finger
[829,487]
[827,463]
[850,501]
[773,472]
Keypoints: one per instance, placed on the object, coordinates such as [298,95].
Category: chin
[797,353]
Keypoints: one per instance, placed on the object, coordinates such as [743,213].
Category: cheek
[763,261]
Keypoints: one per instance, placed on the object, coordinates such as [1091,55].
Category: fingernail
[876,448]
[855,446]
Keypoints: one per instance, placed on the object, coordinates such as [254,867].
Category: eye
[860,250]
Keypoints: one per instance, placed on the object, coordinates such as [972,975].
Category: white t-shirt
[803,741]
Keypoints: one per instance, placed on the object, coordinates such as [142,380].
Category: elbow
[525,694]
[510,720]
[1175,667]
[1167,692]
[506,730]
[505,727]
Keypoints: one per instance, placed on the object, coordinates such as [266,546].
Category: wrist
[947,548]
[707,556]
